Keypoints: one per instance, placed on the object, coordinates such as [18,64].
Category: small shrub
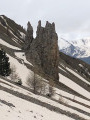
[48,95]
[62,101]
[19,82]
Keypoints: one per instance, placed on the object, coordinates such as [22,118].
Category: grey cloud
[70,16]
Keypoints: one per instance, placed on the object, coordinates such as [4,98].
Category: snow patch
[21,69]
[8,45]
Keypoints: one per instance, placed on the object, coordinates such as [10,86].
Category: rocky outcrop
[29,36]
[43,50]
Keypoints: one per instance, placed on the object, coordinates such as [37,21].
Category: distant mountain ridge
[77,48]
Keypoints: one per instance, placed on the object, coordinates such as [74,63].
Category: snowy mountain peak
[63,43]
[82,42]
[77,48]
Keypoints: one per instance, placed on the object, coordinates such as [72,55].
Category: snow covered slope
[65,104]
[11,32]
[11,107]
[77,48]
[71,100]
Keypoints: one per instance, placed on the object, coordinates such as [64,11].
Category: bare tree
[40,85]
[35,83]
[51,88]
[14,76]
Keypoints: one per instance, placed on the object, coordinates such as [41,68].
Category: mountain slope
[78,49]
[72,93]
[70,104]
[11,32]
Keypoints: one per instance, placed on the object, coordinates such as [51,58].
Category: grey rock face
[29,36]
[44,51]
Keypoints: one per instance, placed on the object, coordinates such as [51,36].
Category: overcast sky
[72,17]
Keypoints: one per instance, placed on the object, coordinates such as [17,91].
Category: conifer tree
[4,64]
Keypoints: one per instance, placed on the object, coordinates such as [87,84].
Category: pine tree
[4,64]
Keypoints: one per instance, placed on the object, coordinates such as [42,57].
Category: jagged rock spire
[44,50]
[39,27]
[39,23]
[29,28]
[29,36]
